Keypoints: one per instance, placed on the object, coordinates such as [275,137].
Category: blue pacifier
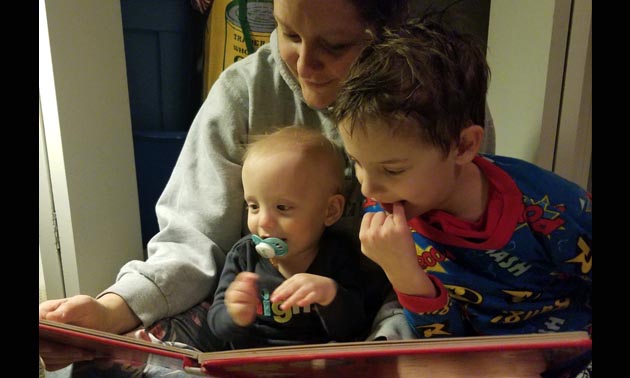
[270,247]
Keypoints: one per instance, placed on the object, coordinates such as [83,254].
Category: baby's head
[423,72]
[293,182]
[311,149]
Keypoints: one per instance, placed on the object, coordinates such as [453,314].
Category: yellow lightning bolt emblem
[585,257]
[430,330]
[519,296]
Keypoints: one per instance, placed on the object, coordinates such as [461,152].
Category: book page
[478,356]
[117,347]
[417,346]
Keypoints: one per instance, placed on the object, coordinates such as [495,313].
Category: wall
[519,38]
[88,142]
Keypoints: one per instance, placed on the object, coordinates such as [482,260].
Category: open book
[479,356]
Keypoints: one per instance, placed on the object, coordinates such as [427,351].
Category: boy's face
[400,168]
[287,198]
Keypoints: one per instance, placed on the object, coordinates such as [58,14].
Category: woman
[291,80]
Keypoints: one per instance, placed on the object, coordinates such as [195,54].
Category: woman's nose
[309,60]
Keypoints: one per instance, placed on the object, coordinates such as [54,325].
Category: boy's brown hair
[422,70]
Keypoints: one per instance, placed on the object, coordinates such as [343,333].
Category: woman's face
[319,40]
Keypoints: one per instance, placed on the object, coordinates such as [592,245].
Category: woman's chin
[317,100]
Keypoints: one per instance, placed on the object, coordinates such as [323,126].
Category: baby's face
[397,168]
[285,199]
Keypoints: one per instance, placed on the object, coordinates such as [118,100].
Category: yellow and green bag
[235,29]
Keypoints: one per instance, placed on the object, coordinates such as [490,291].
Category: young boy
[497,245]
[293,280]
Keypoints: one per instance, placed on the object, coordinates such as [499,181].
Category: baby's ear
[470,140]
[334,210]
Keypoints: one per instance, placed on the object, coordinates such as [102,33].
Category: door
[87,174]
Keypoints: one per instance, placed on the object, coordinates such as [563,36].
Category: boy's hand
[386,240]
[241,298]
[303,289]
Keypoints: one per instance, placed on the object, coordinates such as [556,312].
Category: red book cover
[478,356]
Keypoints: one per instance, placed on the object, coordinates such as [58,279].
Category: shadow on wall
[163,45]
[472,16]
[156,153]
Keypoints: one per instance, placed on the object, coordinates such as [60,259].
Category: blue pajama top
[525,267]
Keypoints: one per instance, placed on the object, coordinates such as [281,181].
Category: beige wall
[540,91]
[88,146]
[519,38]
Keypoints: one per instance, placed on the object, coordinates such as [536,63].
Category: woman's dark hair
[381,13]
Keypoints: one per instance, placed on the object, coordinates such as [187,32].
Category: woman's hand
[109,313]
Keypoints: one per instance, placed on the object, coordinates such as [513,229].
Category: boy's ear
[334,210]
[470,140]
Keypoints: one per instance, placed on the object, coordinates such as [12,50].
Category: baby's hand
[386,239]
[241,298]
[303,289]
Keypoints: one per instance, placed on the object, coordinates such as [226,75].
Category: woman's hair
[424,71]
[381,13]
